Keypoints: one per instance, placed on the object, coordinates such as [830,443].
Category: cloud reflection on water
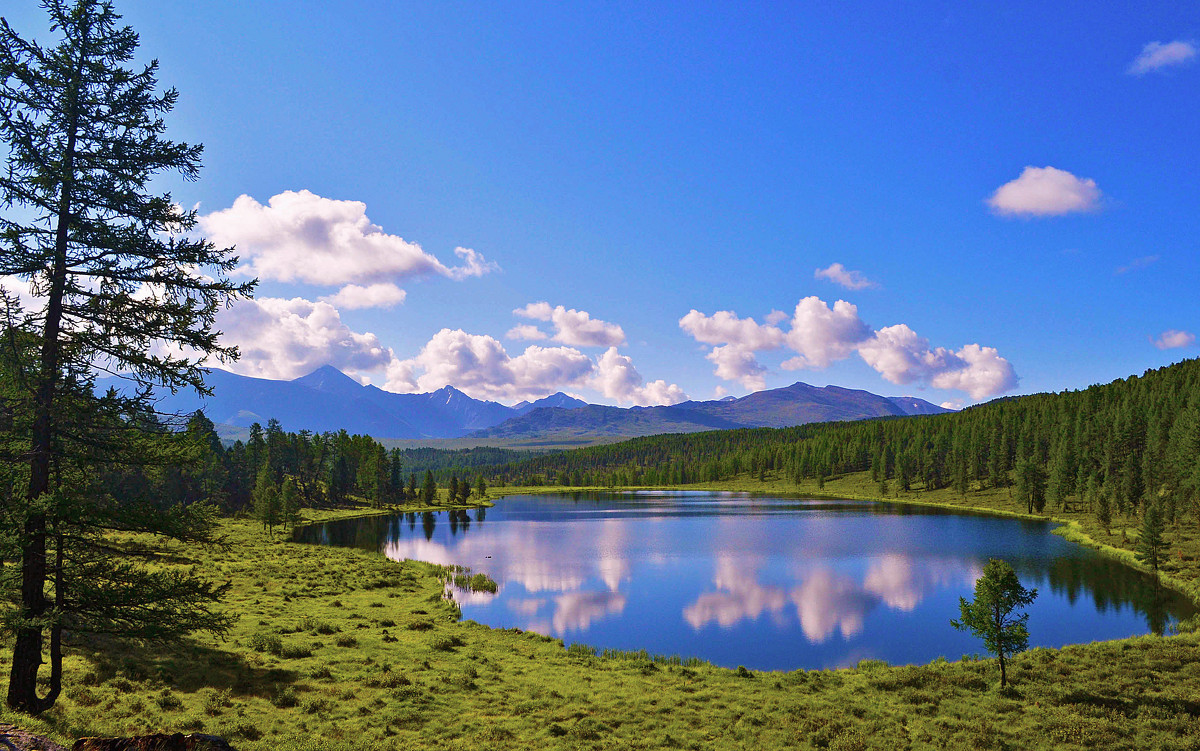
[825,600]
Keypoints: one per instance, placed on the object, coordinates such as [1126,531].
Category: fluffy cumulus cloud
[737,339]
[1159,55]
[1174,339]
[353,296]
[572,327]
[1045,191]
[902,357]
[526,332]
[839,274]
[821,334]
[285,339]
[302,237]
[616,378]
[480,366]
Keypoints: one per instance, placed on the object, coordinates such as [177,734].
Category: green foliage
[115,267]
[429,489]
[1151,547]
[992,615]
[1134,438]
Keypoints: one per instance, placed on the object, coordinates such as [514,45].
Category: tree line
[1109,449]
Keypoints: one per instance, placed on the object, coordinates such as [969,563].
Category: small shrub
[394,680]
[264,642]
[167,701]
[248,731]
[446,643]
[742,672]
[420,624]
[295,652]
[315,705]
[321,673]
[387,623]
[348,642]
[588,729]
[215,702]
[285,698]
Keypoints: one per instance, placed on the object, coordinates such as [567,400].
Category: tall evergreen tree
[115,272]
[1151,547]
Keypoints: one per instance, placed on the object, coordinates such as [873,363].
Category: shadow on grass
[184,666]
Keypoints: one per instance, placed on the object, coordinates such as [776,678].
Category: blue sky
[635,162]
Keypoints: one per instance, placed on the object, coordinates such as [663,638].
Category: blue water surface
[768,583]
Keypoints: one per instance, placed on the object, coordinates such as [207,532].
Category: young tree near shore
[991,615]
[118,284]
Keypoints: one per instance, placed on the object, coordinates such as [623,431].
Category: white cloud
[24,292]
[724,327]
[1045,191]
[574,327]
[902,357]
[476,265]
[354,297]
[300,236]
[526,332]
[616,378]
[839,274]
[821,335]
[739,339]
[479,366]
[735,364]
[285,339]
[1173,339]
[1157,55]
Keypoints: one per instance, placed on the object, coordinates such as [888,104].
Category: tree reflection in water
[768,583]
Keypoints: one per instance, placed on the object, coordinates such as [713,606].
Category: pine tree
[991,616]
[429,488]
[115,271]
[481,488]
[1151,547]
[1101,504]
[289,502]
[266,499]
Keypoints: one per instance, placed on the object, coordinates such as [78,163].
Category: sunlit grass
[336,648]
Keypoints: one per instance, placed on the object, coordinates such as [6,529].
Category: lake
[768,583]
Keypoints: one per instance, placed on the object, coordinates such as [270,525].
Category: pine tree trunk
[27,648]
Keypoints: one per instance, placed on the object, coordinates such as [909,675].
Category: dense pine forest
[1110,449]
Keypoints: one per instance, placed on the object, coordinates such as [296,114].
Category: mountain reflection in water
[766,583]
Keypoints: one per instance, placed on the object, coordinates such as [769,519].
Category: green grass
[341,649]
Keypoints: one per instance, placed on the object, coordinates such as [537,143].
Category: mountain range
[328,399]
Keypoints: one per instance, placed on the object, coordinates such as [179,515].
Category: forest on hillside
[1119,446]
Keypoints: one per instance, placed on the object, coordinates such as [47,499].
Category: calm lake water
[769,583]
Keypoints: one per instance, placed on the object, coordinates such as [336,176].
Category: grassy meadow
[342,649]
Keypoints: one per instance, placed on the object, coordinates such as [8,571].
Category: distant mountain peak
[328,378]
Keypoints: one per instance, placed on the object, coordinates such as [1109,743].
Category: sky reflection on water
[766,583]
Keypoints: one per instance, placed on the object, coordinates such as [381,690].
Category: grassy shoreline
[340,648]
